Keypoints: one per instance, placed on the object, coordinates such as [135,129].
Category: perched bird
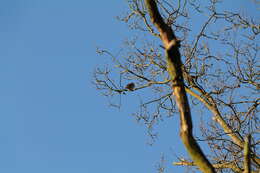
[130,86]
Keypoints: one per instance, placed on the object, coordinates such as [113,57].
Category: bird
[130,86]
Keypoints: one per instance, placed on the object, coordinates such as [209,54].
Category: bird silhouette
[130,86]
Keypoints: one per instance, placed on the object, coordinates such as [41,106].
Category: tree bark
[247,168]
[174,67]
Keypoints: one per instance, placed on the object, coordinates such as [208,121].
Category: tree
[220,74]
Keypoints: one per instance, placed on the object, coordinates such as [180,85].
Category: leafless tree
[219,47]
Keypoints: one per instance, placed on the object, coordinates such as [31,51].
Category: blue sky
[52,119]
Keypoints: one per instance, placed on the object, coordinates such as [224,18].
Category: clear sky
[52,119]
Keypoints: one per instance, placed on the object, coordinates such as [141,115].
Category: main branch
[174,66]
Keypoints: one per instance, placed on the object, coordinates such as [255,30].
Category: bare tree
[220,74]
